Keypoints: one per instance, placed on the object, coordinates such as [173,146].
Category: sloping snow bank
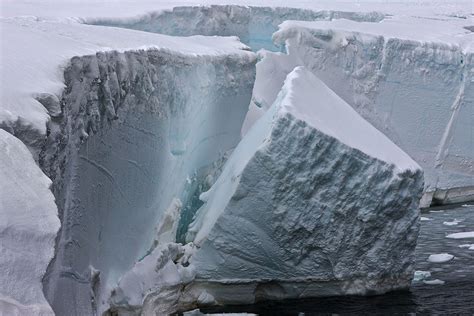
[28,226]
[412,78]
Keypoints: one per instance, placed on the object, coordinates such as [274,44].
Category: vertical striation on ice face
[134,127]
[412,78]
[28,226]
[313,201]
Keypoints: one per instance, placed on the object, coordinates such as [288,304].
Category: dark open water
[454,297]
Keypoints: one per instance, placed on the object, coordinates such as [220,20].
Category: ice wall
[302,208]
[412,78]
[253,25]
[133,130]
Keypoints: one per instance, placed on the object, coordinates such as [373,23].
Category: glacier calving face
[416,87]
[135,127]
[301,209]
[28,226]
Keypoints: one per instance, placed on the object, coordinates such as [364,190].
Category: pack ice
[302,208]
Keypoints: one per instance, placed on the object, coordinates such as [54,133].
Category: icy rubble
[301,209]
[415,86]
[28,227]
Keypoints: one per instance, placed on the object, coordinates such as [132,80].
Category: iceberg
[414,86]
[310,203]
[302,208]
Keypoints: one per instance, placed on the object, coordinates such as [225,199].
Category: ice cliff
[126,136]
[415,86]
[302,208]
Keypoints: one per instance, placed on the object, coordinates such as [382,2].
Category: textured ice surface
[300,210]
[415,86]
[28,226]
[135,126]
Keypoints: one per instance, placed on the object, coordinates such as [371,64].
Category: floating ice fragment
[421,275]
[440,257]
[452,223]
[461,235]
[434,282]
[470,246]
[425,219]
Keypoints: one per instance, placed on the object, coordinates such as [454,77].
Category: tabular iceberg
[314,201]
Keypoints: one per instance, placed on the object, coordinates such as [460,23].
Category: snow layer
[301,210]
[28,226]
[415,86]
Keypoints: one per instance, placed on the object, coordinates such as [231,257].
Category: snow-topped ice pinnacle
[314,201]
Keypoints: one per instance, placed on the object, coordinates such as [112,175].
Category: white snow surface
[440,258]
[28,227]
[34,53]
